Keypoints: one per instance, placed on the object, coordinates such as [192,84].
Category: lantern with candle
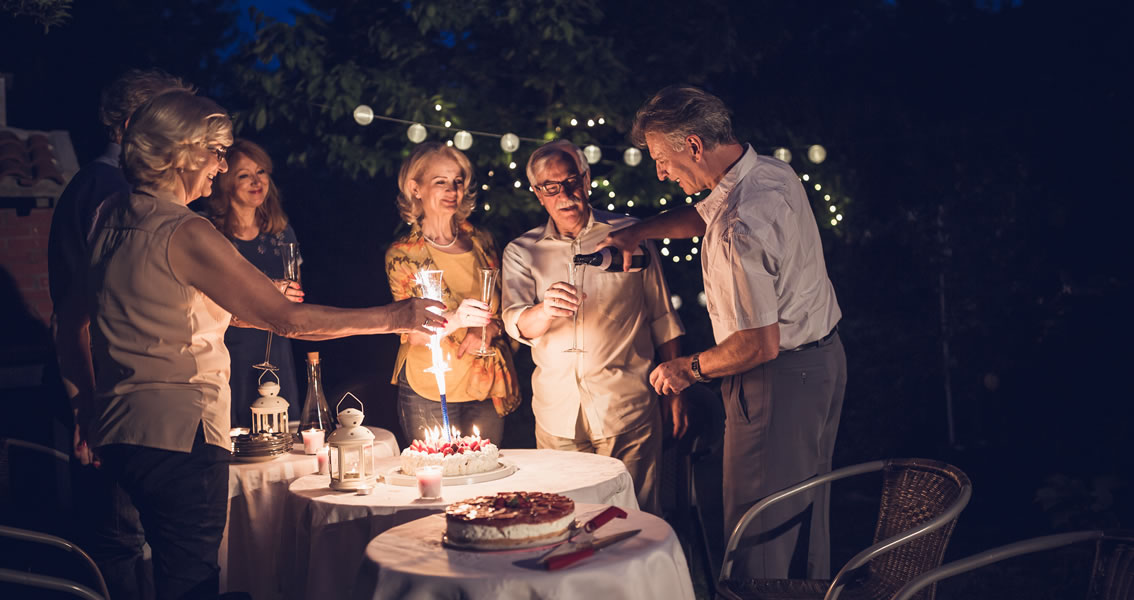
[269,411]
[351,446]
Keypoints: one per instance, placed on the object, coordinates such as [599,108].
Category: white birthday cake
[462,456]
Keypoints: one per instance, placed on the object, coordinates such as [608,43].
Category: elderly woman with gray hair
[164,285]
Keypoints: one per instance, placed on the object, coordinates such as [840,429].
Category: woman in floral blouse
[245,207]
[436,197]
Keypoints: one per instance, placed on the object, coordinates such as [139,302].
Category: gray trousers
[780,424]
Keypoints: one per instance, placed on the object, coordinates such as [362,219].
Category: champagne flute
[487,286]
[573,280]
[290,254]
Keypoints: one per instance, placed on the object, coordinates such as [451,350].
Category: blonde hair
[270,217]
[169,132]
[413,167]
[557,149]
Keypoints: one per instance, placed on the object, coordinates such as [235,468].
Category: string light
[610,207]
[416,133]
[816,153]
[509,142]
[437,107]
[363,114]
[592,153]
[462,140]
[664,251]
[782,154]
[487,207]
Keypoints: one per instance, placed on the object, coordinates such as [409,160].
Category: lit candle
[321,456]
[429,482]
[237,431]
[312,440]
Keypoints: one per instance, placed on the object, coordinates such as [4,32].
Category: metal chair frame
[863,557]
[54,583]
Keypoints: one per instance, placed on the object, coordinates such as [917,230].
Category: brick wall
[23,253]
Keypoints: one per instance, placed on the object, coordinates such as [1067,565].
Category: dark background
[975,149]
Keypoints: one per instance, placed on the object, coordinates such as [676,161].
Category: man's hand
[675,410]
[416,315]
[79,445]
[672,376]
[560,300]
[626,240]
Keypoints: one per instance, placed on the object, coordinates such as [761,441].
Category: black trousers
[182,501]
[780,423]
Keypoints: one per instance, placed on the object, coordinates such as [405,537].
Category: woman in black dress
[245,207]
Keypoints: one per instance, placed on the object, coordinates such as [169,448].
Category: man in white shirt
[774,316]
[597,400]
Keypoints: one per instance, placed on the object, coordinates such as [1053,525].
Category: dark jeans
[781,418]
[182,499]
[415,414]
[110,530]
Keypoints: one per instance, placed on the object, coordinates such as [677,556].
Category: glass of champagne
[487,286]
[573,280]
[290,255]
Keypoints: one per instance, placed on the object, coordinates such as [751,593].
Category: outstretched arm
[683,222]
[201,257]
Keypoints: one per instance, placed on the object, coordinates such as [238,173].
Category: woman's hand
[471,313]
[290,289]
[471,343]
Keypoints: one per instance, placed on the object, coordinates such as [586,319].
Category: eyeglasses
[220,151]
[552,188]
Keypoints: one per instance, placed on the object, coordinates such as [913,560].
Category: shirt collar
[111,155]
[712,204]
[551,232]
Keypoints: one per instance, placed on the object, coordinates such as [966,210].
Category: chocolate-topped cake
[508,519]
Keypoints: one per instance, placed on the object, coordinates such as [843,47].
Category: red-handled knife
[559,560]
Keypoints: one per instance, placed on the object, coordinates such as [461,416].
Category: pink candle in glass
[312,440]
[429,482]
[322,456]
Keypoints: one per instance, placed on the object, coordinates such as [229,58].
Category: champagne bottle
[316,414]
[610,259]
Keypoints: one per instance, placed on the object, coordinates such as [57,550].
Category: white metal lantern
[269,411]
[351,446]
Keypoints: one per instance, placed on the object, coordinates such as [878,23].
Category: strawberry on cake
[508,520]
[463,456]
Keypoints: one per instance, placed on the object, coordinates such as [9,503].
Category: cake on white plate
[509,520]
[463,456]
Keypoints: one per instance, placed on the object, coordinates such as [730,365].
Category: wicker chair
[921,500]
[1112,574]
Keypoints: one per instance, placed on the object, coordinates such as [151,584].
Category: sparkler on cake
[456,455]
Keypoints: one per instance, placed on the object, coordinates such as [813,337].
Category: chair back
[37,576]
[914,492]
[1112,576]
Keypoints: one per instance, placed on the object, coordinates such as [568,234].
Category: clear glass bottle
[316,414]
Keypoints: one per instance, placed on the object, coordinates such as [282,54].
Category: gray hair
[557,149]
[130,90]
[676,112]
[172,131]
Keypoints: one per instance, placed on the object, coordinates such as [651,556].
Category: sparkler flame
[430,282]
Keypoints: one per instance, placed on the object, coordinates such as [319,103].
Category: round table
[249,550]
[409,562]
[328,531]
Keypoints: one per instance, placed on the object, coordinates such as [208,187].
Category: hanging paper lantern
[509,142]
[462,140]
[592,154]
[632,156]
[816,153]
[416,133]
[782,154]
[363,114]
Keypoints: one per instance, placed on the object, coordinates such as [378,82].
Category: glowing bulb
[834,221]
[629,203]
[601,120]
[363,114]
[827,197]
[665,241]
[462,140]
[610,207]
[594,184]
[509,142]
[693,251]
[512,165]
[688,200]
[484,187]
[782,154]
[696,239]
[675,301]
[839,217]
[590,122]
[437,107]
[676,258]
[688,258]
[702,299]
[592,153]
[611,194]
[605,182]
[816,153]
[818,187]
[487,207]
[805,177]
[448,123]
[416,133]
[491,173]
[832,208]
[517,184]
[662,202]
[449,143]
[664,251]
[632,157]
[574,122]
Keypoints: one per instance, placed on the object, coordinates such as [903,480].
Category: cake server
[585,532]
[571,553]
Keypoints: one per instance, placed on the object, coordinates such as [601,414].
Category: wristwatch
[696,366]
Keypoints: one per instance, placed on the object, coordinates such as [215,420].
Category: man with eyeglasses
[598,399]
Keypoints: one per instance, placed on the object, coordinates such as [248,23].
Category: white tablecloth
[409,562]
[249,550]
[324,549]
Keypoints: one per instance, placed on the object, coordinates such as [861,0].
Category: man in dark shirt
[111,530]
